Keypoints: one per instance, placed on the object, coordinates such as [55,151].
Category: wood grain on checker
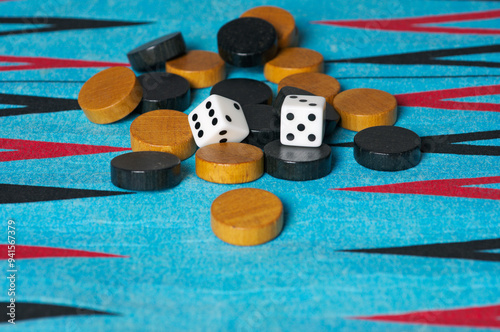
[201,68]
[293,60]
[362,108]
[164,131]
[316,83]
[281,20]
[247,216]
[229,163]
[110,95]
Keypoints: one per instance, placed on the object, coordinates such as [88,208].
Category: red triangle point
[420,24]
[435,99]
[448,188]
[33,63]
[27,252]
[25,149]
[487,316]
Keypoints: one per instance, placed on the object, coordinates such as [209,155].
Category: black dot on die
[311,137]
[236,106]
[200,134]
[214,121]
[290,116]
[211,113]
[313,104]
[228,118]
[290,137]
[303,100]
[224,140]
[301,127]
[208,105]
[311,117]
[197,125]
[194,117]
[223,132]
[293,97]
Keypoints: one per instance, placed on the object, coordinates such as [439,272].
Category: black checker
[387,148]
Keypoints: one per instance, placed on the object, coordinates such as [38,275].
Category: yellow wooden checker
[316,83]
[362,108]
[164,131]
[293,60]
[200,68]
[110,95]
[282,21]
[247,216]
[229,163]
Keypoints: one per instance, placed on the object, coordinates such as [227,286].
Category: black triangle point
[12,193]
[431,57]
[59,24]
[26,310]
[472,250]
[35,104]
[448,144]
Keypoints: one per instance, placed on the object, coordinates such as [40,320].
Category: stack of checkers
[162,135]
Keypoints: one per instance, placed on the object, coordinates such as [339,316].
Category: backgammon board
[361,250]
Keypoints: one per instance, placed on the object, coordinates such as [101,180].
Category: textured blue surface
[178,275]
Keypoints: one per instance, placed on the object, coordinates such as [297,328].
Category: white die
[218,120]
[302,120]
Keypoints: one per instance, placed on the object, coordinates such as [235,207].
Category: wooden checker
[264,124]
[387,148]
[244,90]
[247,216]
[316,83]
[297,163]
[165,131]
[146,170]
[247,42]
[153,55]
[293,60]
[110,95]
[282,21]
[201,68]
[363,108]
[229,163]
[164,91]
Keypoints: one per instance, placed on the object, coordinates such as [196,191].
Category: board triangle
[33,63]
[28,252]
[473,250]
[28,310]
[447,188]
[436,98]
[35,104]
[59,24]
[12,193]
[24,149]
[448,144]
[486,316]
[422,24]
[433,57]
